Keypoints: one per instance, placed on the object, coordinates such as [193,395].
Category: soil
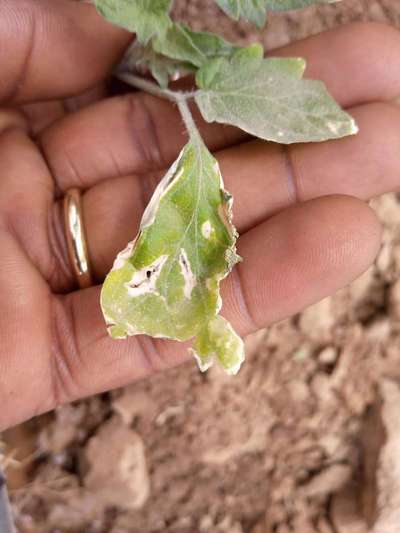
[305,439]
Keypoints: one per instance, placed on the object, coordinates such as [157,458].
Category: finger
[27,203]
[263,178]
[300,256]
[292,260]
[26,194]
[42,114]
[24,326]
[57,48]
[140,133]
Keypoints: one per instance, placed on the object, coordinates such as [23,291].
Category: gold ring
[76,238]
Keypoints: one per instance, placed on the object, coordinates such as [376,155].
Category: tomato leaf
[146,18]
[182,43]
[269,99]
[255,11]
[166,283]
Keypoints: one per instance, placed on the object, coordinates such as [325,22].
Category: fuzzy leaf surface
[146,18]
[183,44]
[166,282]
[218,341]
[269,99]
[255,11]
[287,5]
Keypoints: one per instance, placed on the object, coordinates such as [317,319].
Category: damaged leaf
[166,283]
[217,340]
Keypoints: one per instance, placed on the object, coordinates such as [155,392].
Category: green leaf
[287,5]
[268,99]
[179,50]
[139,58]
[217,340]
[143,17]
[166,282]
[196,48]
[255,11]
[162,68]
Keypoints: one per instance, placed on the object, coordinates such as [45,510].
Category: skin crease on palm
[306,229]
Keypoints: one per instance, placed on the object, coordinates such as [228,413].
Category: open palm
[306,229]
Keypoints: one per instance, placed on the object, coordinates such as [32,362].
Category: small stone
[117,466]
[132,402]
[328,481]
[317,321]
[328,356]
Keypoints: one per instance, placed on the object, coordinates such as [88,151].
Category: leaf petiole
[187,117]
[152,88]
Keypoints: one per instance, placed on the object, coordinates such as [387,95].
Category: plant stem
[150,87]
[6,521]
[187,118]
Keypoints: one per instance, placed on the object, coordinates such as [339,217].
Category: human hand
[306,229]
